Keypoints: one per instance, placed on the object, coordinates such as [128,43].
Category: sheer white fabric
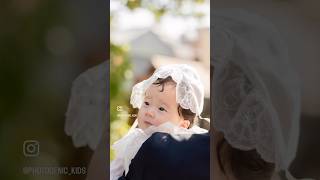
[189,89]
[256,92]
[128,146]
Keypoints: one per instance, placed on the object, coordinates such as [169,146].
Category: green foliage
[160,8]
[119,65]
[132,4]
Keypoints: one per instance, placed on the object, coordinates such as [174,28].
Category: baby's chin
[145,125]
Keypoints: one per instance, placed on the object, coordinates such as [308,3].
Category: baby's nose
[150,112]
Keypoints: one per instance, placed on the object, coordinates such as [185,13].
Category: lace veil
[256,95]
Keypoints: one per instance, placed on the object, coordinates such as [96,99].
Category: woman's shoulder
[163,140]
[163,156]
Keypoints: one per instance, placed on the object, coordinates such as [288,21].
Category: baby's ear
[185,124]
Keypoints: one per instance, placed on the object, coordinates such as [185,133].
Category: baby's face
[159,107]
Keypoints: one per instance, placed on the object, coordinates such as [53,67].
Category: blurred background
[299,24]
[44,46]
[146,34]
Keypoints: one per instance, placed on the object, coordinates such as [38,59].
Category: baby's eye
[146,103]
[162,109]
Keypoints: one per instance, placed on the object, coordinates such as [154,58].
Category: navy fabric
[162,157]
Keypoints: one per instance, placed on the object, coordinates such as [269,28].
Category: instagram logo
[31,148]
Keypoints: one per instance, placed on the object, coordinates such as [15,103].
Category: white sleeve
[116,169]
[126,148]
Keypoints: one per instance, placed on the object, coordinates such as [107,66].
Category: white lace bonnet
[189,88]
[256,92]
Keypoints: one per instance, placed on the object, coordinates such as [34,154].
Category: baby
[168,101]
[160,106]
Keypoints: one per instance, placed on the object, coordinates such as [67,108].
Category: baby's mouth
[148,123]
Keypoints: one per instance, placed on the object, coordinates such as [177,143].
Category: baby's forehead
[167,94]
[161,88]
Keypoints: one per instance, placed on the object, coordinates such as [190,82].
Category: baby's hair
[187,114]
[244,164]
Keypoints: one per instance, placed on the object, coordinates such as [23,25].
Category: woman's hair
[187,114]
[244,165]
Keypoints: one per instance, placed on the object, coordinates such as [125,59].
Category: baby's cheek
[140,112]
[162,119]
[158,122]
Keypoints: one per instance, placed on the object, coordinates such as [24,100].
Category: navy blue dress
[162,157]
